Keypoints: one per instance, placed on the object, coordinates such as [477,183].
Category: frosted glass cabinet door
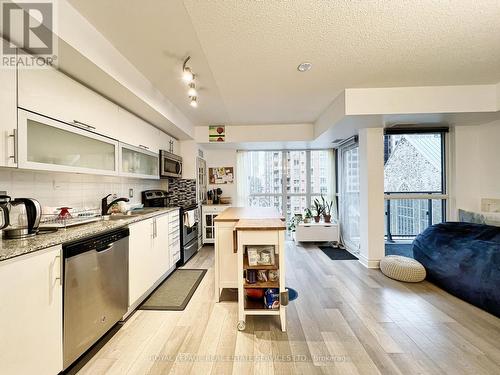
[137,162]
[47,144]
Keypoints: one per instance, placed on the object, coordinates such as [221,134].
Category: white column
[371,181]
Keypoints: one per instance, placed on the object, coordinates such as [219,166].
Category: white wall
[475,170]
[371,196]
[261,133]
[223,158]
[71,189]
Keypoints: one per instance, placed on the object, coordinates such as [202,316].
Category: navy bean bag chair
[464,260]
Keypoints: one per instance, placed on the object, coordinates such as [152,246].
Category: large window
[286,179]
[414,182]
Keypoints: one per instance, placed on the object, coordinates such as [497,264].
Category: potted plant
[317,210]
[327,210]
[308,216]
[294,221]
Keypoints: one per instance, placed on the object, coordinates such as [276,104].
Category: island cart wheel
[241,325]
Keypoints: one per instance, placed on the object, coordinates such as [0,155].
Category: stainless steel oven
[170,165]
[189,222]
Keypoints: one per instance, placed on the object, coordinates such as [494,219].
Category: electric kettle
[20,217]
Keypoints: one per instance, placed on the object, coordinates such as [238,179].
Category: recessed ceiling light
[304,67]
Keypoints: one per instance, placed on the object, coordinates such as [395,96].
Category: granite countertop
[237,213]
[13,248]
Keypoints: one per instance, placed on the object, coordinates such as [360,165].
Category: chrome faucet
[105,206]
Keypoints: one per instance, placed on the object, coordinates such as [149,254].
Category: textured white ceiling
[246,52]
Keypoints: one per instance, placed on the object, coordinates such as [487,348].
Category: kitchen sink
[128,215]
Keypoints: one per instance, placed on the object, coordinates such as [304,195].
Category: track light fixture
[187,74]
[194,102]
[189,77]
[192,90]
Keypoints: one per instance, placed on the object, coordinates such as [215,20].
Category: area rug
[335,253]
[175,292]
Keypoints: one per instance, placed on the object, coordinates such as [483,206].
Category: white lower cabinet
[161,246]
[174,237]
[149,253]
[141,259]
[31,314]
[209,213]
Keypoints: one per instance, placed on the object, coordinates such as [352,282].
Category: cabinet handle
[82,124]
[235,241]
[60,270]
[14,137]
[144,147]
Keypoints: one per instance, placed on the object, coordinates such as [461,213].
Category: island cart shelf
[267,239]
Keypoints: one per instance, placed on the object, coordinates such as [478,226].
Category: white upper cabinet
[54,94]
[8,116]
[168,143]
[138,162]
[137,132]
[51,145]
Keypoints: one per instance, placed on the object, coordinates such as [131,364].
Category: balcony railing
[406,217]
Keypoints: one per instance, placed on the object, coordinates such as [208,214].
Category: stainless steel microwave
[170,165]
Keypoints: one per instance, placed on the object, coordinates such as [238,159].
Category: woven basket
[402,268]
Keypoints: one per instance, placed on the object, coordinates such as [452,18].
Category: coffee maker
[20,217]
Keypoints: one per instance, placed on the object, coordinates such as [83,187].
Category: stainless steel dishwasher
[95,289]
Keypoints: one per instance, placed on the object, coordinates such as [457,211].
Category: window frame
[308,193]
[442,195]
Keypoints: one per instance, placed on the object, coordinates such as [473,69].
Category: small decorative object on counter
[265,257]
[251,276]
[273,275]
[272,298]
[255,293]
[64,213]
[262,275]
[253,257]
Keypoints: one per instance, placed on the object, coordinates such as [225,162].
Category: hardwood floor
[347,320]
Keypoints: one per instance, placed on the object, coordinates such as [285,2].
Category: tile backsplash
[183,192]
[71,189]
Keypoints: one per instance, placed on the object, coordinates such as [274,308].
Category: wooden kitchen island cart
[261,269]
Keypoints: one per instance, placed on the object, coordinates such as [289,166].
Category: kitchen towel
[189,219]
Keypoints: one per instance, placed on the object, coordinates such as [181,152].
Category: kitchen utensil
[262,275]
[64,214]
[21,216]
[254,293]
[273,275]
[251,276]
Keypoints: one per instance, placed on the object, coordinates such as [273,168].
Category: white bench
[317,232]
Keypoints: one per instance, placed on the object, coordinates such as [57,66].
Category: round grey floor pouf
[402,268]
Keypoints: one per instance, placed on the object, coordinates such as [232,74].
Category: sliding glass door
[349,195]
